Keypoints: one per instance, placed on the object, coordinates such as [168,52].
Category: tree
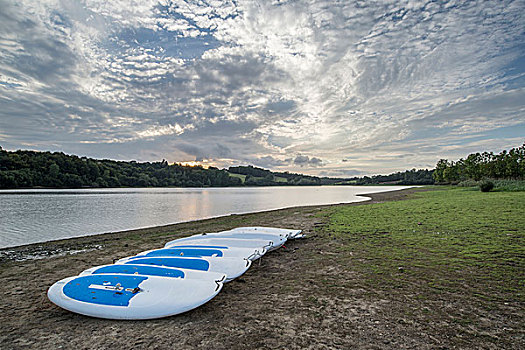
[54,170]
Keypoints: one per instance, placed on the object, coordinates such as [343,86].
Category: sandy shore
[269,307]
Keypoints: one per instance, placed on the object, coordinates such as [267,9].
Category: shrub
[486,186]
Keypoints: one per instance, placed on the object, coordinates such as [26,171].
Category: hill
[30,169]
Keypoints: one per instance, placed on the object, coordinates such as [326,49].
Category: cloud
[303,161]
[382,85]
[269,162]
[342,173]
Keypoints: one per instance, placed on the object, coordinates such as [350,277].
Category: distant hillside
[408,177]
[253,176]
[30,169]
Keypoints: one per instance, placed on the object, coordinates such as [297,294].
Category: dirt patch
[298,297]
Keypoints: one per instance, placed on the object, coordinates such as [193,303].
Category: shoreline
[38,246]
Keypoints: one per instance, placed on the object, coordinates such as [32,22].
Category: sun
[195,163]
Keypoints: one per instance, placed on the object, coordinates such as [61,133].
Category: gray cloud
[268,162]
[302,160]
[343,173]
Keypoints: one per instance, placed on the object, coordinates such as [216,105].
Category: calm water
[30,216]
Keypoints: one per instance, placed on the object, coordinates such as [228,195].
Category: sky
[331,88]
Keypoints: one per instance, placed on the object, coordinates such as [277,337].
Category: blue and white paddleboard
[289,233]
[248,253]
[199,245]
[217,241]
[127,297]
[276,240]
[231,267]
[152,270]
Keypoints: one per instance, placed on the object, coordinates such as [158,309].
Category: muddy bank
[294,298]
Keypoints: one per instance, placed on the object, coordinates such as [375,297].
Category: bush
[486,186]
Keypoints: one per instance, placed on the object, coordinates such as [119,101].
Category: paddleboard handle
[218,282]
[248,262]
[254,255]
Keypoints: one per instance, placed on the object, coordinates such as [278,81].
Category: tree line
[27,169]
[408,177]
[487,165]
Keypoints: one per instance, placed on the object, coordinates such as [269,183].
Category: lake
[31,216]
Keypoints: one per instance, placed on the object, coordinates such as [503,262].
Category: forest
[508,165]
[30,169]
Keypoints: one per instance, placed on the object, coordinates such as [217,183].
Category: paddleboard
[151,270]
[231,267]
[289,233]
[197,244]
[126,297]
[276,240]
[218,241]
[248,253]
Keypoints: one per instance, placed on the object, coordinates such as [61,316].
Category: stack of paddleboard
[183,275]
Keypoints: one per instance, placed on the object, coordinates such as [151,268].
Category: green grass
[509,185]
[449,240]
[243,178]
[240,176]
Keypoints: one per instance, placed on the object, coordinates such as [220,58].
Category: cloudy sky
[337,88]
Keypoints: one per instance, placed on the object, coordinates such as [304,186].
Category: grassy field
[448,240]
[243,177]
[240,176]
[452,254]
[509,185]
